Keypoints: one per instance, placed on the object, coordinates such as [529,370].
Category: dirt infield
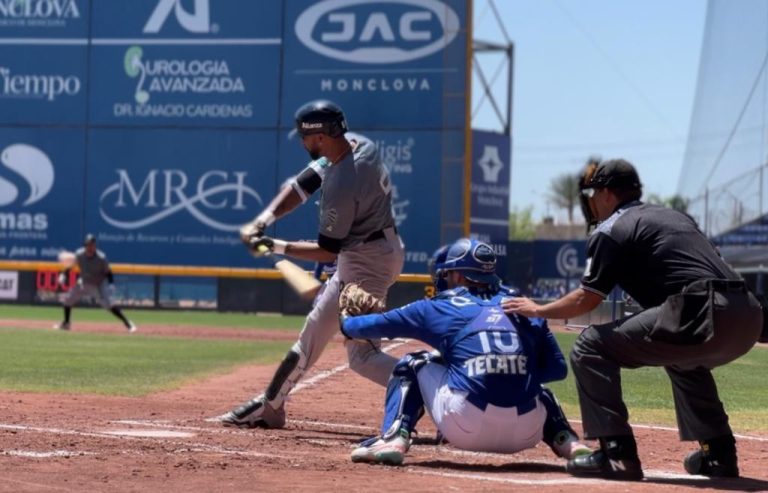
[166,441]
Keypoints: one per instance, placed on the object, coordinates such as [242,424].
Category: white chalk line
[755,438]
[43,455]
[36,485]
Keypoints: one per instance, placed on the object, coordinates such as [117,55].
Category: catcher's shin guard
[404,404]
[557,433]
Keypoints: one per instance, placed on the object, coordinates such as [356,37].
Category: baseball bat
[304,284]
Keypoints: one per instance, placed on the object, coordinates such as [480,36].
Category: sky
[594,77]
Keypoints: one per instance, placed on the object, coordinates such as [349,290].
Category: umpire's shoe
[716,458]
[256,413]
[598,464]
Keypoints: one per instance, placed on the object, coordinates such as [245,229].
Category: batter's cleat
[62,326]
[568,446]
[131,327]
[256,413]
[390,452]
[702,463]
[598,464]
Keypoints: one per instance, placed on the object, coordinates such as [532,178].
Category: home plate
[151,433]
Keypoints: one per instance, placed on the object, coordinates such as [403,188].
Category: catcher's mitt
[354,300]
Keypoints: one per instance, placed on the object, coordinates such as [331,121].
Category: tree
[565,192]
[521,225]
[676,202]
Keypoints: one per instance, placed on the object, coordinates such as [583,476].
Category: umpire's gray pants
[602,350]
[375,266]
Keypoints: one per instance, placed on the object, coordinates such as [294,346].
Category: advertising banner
[558,259]
[393,63]
[66,20]
[9,285]
[178,197]
[41,192]
[201,63]
[490,190]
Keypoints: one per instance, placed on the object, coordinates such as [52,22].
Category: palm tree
[565,192]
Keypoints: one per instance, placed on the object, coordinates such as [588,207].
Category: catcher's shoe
[390,452]
[598,464]
[702,463]
[568,446]
[256,413]
[62,326]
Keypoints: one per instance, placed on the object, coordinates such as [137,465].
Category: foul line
[672,428]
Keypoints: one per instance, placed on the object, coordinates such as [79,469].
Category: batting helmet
[89,238]
[474,259]
[435,265]
[321,117]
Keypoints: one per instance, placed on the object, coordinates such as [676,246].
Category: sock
[119,314]
[67,313]
[619,447]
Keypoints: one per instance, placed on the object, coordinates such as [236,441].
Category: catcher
[484,392]
[96,280]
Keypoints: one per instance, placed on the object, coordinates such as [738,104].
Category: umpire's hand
[522,306]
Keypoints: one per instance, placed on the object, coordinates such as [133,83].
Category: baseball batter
[356,229]
[96,280]
[484,391]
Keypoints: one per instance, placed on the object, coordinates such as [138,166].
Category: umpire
[698,314]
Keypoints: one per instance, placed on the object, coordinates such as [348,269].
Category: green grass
[212,319]
[39,361]
[648,392]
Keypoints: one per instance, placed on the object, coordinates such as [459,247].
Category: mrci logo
[377,31]
[219,199]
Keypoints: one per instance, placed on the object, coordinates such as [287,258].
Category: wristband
[279,246]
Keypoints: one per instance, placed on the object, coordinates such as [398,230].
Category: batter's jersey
[498,359]
[356,195]
[652,252]
[93,270]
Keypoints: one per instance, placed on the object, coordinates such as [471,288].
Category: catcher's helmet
[474,259]
[435,265]
[89,238]
[321,117]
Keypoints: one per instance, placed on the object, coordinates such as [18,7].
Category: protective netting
[728,139]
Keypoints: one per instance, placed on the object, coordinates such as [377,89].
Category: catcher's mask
[612,174]
[474,259]
[435,267]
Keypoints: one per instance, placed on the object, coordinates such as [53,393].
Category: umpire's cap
[474,259]
[321,117]
[89,238]
[614,173]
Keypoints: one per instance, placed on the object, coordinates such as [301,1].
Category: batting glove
[264,245]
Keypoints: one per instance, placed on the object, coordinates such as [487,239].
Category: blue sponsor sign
[558,259]
[491,161]
[41,192]
[42,84]
[202,63]
[393,63]
[751,234]
[178,196]
[66,19]
[413,162]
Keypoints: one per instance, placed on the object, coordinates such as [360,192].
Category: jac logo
[48,280]
[377,31]
[164,193]
[197,21]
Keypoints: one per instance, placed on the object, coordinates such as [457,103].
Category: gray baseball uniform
[93,274]
[355,220]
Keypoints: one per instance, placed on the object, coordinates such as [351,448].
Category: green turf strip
[648,392]
[131,365]
[212,319]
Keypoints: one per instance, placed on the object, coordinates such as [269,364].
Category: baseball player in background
[357,229]
[95,280]
[484,390]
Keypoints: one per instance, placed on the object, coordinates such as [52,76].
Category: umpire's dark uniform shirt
[652,253]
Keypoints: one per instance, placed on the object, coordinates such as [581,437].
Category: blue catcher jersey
[498,359]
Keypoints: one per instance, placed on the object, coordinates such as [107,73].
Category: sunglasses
[589,192]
